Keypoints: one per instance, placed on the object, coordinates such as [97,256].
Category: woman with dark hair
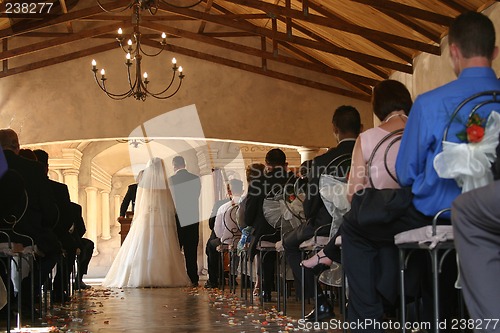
[391,103]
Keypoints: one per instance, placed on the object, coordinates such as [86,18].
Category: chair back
[231,215]
[293,198]
[275,210]
[390,139]
[13,199]
[480,99]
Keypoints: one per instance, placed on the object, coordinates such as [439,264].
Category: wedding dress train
[150,256]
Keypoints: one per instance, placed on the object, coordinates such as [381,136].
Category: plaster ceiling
[342,46]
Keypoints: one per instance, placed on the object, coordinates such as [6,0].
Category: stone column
[71,180]
[307,154]
[105,217]
[91,220]
[118,203]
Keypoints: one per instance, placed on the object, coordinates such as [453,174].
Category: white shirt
[225,227]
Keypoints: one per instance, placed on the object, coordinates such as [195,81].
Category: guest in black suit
[273,179]
[41,212]
[346,123]
[130,196]
[186,189]
[3,163]
[61,229]
[84,246]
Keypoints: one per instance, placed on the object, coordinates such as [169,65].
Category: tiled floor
[156,310]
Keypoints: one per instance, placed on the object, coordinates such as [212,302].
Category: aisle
[155,310]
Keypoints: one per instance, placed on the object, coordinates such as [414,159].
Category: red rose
[475,133]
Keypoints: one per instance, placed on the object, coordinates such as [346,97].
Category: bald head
[9,140]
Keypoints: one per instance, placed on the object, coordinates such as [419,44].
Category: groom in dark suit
[186,188]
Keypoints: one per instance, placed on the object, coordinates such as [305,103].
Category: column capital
[91,189]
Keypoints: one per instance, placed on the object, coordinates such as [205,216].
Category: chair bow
[469,163]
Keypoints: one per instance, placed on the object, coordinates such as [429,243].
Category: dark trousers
[213,258]
[86,250]
[188,239]
[368,276]
[291,243]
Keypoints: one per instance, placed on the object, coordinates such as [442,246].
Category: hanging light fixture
[138,82]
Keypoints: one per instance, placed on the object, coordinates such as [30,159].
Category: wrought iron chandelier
[138,82]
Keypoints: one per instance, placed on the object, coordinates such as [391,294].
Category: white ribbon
[470,163]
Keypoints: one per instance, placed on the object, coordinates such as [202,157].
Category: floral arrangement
[474,130]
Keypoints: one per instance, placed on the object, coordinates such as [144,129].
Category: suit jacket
[66,218]
[78,223]
[254,213]
[41,211]
[129,197]
[186,189]
[314,208]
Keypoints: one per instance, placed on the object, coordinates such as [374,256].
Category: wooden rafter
[418,13]
[259,53]
[351,28]
[259,70]
[246,26]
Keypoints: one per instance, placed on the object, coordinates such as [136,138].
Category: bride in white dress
[150,256]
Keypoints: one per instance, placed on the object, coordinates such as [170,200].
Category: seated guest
[3,163]
[273,180]
[27,153]
[472,49]
[253,171]
[129,197]
[61,229]
[475,218]
[40,214]
[346,123]
[84,246]
[391,103]
[225,225]
[226,229]
[213,257]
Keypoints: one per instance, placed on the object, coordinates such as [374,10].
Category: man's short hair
[474,34]
[9,140]
[347,119]
[42,156]
[179,162]
[236,186]
[276,157]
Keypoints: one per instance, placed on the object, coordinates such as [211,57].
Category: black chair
[338,168]
[13,206]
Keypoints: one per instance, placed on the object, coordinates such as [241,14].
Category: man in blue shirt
[472,50]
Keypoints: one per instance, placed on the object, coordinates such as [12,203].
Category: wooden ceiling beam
[64,9]
[389,48]
[417,13]
[456,6]
[207,9]
[315,36]
[424,31]
[59,59]
[23,50]
[362,88]
[259,53]
[351,28]
[246,26]
[24,27]
[259,70]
